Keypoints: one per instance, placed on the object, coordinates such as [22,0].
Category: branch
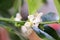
[10,20]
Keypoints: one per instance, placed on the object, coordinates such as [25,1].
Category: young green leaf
[33,5]
[57,6]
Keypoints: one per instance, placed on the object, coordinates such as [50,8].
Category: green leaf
[57,3]
[33,5]
[15,6]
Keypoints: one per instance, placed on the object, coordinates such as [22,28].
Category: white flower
[35,25]
[23,29]
[28,25]
[18,17]
[38,18]
[31,17]
[40,14]
[26,31]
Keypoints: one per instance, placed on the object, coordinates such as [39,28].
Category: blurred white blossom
[34,21]
[24,29]
[18,17]
[31,18]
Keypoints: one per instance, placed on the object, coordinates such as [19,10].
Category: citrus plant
[14,26]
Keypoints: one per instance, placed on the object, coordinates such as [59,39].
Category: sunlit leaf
[33,5]
[57,6]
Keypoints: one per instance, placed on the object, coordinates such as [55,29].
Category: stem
[10,20]
[49,22]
